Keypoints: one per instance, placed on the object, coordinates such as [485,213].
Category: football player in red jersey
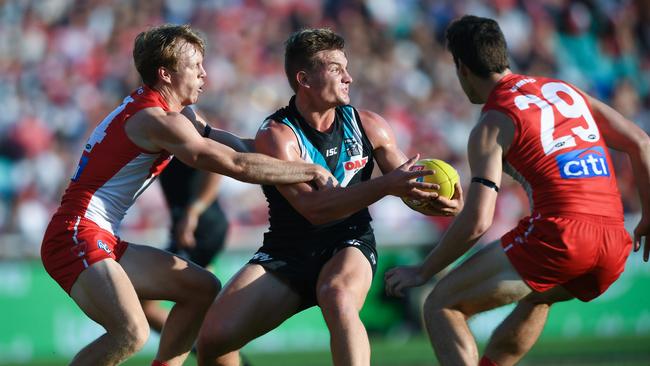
[553,139]
[82,250]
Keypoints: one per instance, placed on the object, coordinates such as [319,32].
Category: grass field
[416,352]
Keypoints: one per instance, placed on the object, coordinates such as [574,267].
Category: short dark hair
[303,45]
[479,44]
[158,47]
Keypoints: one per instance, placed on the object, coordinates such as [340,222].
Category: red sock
[486,362]
[158,363]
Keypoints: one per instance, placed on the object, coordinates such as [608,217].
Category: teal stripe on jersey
[311,151]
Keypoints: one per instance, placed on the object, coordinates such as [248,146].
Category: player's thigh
[349,271]
[252,303]
[552,296]
[160,275]
[104,292]
[484,281]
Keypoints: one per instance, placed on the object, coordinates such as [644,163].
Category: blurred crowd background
[64,65]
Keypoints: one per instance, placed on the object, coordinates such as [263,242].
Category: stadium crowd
[65,64]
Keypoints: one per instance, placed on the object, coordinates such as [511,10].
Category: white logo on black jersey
[262,257]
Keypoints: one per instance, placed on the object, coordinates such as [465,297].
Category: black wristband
[486,182]
[206,130]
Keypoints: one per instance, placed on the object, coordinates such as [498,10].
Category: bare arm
[623,135]
[485,151]
[322,206]
[156,129]
[389,156]
[207,194]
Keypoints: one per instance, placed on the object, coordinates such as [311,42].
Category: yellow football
[443,175]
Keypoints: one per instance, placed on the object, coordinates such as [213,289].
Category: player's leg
[485,281]
[252,303]
[517,334]
[157,274]
[210,235]
[156,315]
[342,287]
[103,291]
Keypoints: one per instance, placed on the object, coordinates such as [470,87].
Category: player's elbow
[317,213]
[642,145]
[316,216]
[480,225]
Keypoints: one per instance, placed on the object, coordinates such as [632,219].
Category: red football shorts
[72,243]
[583,253]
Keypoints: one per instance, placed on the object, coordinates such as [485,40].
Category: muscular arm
[389,156]
[322,206]
[623,135]
[486,146]
[155,129]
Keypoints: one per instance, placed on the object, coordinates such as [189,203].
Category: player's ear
[462,69]
[164,74]
[303,79]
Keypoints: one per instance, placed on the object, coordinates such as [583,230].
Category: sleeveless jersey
[345,151]
[113,171]
[558,153]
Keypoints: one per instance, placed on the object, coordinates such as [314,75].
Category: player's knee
[133,336]
[219,334]
[201,286]
[211,286]
[337,300]
[439,301]
[215,342]
[438,298]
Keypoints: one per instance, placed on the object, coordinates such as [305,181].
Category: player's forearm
[641,168]
[462,234]
[263,169]
[340,202]
[206,194]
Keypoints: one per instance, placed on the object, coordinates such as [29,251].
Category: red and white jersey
[557,153]
[113,171]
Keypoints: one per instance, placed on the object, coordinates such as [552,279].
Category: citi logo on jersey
[356,164]
[583,163]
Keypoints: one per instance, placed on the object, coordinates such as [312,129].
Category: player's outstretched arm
[485,151]
[174,133]
[323,206]
[624,135]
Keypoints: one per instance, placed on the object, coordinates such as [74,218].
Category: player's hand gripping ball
[444,175]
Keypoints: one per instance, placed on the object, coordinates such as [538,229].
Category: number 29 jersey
[557,153]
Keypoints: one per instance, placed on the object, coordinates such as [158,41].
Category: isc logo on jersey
[584,163]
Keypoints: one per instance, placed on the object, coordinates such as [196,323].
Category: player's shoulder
[494,118]
[372,121]
[496,123]
[274,133]
[157,116]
